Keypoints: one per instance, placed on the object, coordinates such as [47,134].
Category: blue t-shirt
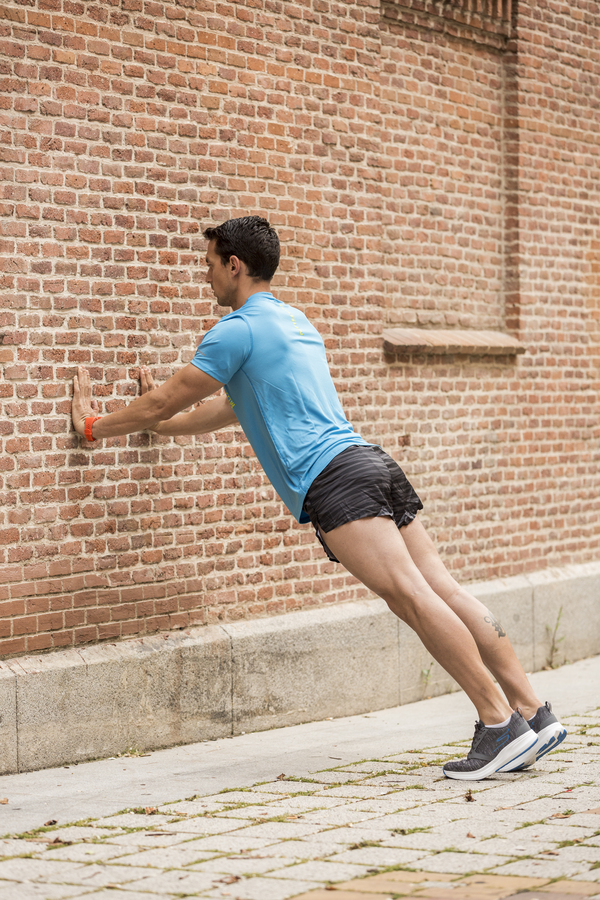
[273,365]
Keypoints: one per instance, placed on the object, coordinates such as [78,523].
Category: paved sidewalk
[353,826]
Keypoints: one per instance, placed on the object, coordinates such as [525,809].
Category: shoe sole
[547,739]
[516,750]
[551,736]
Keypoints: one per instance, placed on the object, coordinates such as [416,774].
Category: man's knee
[405,600]
[444,585]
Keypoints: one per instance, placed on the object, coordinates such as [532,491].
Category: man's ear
[235,265]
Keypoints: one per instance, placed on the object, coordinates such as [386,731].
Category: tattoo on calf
[495,625]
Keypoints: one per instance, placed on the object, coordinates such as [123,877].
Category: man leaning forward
[271,362]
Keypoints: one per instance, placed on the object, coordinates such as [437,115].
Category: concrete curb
[217,681]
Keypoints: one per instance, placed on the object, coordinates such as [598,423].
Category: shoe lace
[479,726]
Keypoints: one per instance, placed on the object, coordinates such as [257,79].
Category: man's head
[242,257]
[252,241]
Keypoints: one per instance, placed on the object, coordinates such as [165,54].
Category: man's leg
[494,646]
[374,551]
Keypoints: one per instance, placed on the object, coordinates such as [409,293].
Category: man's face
[219,276]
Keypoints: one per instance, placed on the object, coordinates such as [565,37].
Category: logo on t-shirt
[295,323]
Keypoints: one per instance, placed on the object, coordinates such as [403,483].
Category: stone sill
[405,341]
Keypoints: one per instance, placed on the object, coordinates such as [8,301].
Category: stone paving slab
[174,881]
[339,834]
[325,871]
[87,852]
[19,847]
[258,889]
[167,857]
[551,868]
[512,845]
[296,805]
[143,839]
[422,841]
[130,895]
[345,815]
[228,843]
[204,826]
[589,876]
[382,857]
[24,869]
[101,875]
[462,863]
[117,824]
[24,891]
[246,864]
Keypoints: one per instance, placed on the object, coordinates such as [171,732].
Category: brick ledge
[488,23]
[403,341]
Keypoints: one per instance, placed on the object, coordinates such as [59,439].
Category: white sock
[501,724]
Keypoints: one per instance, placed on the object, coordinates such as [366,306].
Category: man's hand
[83,405]
[147,382]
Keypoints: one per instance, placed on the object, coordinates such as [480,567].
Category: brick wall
[417,173]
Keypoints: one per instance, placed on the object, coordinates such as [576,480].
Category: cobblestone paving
[376,829]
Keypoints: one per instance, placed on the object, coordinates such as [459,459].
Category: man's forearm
[144,413]
[210,416]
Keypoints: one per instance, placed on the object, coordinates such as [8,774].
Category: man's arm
[183,389]
[206,417]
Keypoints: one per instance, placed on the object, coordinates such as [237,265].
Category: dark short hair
[252,240]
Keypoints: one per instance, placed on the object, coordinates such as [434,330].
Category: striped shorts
[358,483]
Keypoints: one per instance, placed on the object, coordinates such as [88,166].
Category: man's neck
[247,289]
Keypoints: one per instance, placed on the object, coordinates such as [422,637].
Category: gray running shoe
[549,732]
[494,748]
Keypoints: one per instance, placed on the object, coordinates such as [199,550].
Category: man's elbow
[162,408]
[158,412]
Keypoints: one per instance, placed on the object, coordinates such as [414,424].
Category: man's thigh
[373,549]
[428,560]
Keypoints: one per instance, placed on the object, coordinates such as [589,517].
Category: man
[272,364]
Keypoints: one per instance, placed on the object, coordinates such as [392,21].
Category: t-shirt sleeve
[224,349]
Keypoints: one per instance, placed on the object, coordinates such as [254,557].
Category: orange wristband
[87,428]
